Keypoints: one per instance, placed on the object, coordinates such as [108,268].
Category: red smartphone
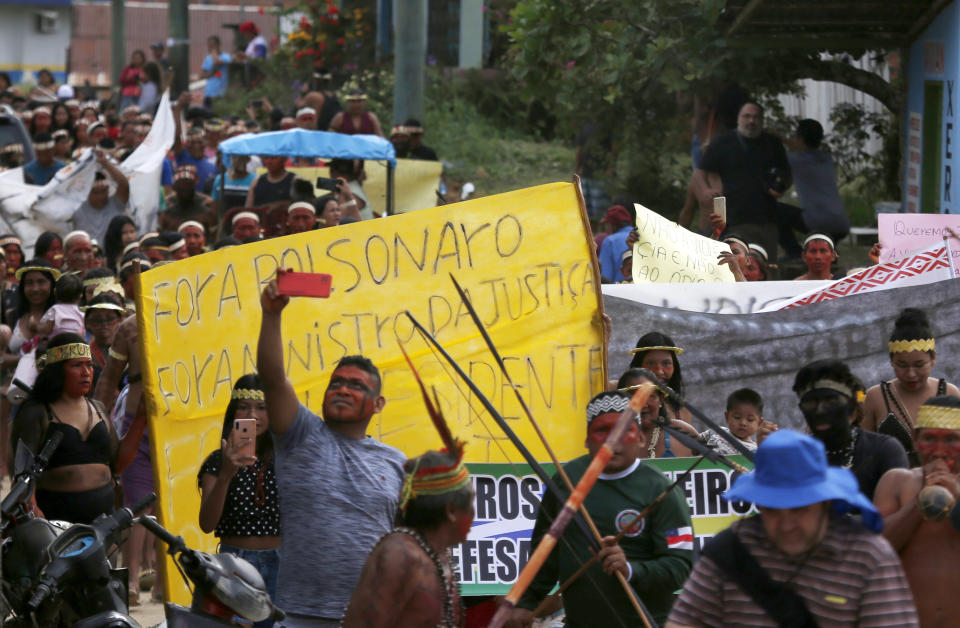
[304,284]
[245,435]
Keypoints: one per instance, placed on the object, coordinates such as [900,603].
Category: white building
[33,36]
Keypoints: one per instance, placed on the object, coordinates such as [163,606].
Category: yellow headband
[247,393]
[905,346]
[938,417]
[99,280]
[23,270]
[441,482]
[676,350]
[73,351]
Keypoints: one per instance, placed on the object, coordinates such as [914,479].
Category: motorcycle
[55,573]
[58,574]
[226,589]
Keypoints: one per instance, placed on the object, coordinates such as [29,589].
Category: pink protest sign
[900,234]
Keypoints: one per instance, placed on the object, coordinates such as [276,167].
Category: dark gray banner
[724,352]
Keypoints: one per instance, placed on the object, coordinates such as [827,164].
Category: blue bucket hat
[792,471]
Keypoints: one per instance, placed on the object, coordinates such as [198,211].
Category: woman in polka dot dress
[238,493]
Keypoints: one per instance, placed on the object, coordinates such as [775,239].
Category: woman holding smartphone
[238,487]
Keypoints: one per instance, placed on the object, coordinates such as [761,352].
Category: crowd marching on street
[856,520]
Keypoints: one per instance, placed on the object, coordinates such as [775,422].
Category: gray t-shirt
[338,496]
[96,221]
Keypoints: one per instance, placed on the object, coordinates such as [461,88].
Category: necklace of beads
[845,454]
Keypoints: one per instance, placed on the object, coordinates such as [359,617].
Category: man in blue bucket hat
[802,562]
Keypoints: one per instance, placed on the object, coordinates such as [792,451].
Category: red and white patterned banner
[925,265]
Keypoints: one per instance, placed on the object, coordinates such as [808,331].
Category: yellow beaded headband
[247,393]
[905,346]
[676,350]
[72,351]
[938,417]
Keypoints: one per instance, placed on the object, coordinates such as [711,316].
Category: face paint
[942,444]
[601,426]
[464,523]
[827,415]
[77,377]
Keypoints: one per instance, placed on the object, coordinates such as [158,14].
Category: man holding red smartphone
[339,489]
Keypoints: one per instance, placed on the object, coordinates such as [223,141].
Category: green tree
[635,64]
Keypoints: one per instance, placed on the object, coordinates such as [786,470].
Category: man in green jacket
[655,556]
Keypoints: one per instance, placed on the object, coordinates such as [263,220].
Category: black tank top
[265,192]
[73,449]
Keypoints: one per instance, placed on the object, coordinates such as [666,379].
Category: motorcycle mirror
[23,460]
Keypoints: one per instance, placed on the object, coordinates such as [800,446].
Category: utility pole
[409,59]
[118,52]
[179,50]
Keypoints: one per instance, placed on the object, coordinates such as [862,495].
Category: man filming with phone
[339,488]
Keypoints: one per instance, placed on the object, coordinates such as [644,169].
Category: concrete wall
[24,49]
[933,57]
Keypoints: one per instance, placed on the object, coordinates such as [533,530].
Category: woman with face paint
[658,441]
[77,485]
[830,397]
[891,406]
[658,353]
[238,491]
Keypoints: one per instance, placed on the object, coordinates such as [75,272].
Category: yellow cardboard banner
[526,260]
[665,252]
[415,183]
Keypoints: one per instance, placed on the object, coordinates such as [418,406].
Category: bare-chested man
[407,579]
[929,550]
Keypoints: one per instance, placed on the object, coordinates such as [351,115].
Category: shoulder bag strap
[781,603]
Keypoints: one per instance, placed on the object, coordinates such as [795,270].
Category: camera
[326,183]
[776,179]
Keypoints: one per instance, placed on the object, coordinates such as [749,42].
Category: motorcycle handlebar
[43,591]
[49,447]
[176,543]
[23,486]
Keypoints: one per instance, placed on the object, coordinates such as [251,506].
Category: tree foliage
[634,64]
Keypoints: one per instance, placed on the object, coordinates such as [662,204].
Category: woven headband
[676,350]
[905,346]
[23,270]
[829,384]
[10,240]
[938,417]
[247,393]
[605,404]
[99,280]
[72,351]
[113,287]
[433,481]
[103,306]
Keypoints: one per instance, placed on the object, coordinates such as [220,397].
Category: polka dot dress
[245,513]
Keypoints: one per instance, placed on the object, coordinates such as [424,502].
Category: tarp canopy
[303,143]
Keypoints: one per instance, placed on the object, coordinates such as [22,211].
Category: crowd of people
[345,530]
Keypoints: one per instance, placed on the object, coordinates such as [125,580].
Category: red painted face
[939,444]
[464,523]
[77,377]
[601,426]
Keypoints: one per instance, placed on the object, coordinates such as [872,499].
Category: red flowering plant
[327,37]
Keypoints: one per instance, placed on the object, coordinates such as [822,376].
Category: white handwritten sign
[900,234]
